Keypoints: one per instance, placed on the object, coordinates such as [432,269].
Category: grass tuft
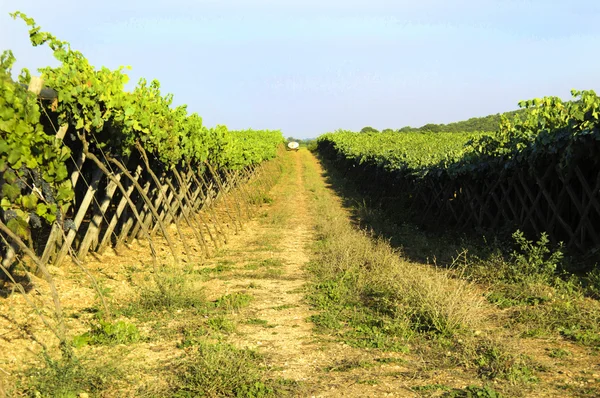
[473,392]
[67,378]
[109,333]
[221,370]
[170,290]
[233,302]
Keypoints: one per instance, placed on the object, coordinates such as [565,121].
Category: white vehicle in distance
[293,146]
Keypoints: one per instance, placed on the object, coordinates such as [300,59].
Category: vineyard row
[86,164]
[539,175]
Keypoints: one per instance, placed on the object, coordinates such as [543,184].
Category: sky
[307,67]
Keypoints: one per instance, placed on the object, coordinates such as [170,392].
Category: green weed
[67,378]
[494,362]
[217,269]
[574,319]
[580,335]
[192,337]
[233,302]
[271,262]
[256,321]
[512,296]
[109,333]
[213,370]
[221,324]
[558,353]
[369,382]
[473,392]
[592,282]
[534,262]
[430,388]
[171,290]
[574,390]
[285,307]
[390,360]
[259,199]
[259,322]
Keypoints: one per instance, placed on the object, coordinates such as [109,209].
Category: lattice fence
[118,200]
[566,206]
[561,201]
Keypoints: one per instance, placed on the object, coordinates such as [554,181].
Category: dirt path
[268,260]
[270,257]
[282,234]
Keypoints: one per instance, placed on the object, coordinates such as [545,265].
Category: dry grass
[440,308]
[376,276]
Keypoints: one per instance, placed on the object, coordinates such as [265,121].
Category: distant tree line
[485,123]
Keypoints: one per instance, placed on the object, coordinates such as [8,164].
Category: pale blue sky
[308,67]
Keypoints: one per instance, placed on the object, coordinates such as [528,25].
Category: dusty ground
[267,261]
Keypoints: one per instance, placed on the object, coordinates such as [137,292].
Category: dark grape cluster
[35,221]
[69,224]
[21,183]
[21,179]
[48,192]
[42,185]
[36,177]
[9,214]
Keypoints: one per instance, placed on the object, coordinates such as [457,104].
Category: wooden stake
[81,211]
[94,227]
[115,218]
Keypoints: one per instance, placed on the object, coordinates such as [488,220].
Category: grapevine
[551,128]
[93,106]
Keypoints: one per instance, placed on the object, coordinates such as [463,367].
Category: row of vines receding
[86,165]
[539,174]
